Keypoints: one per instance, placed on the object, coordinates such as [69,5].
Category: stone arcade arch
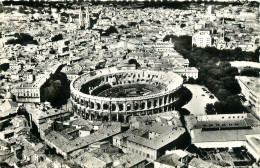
[114,118]
[113,107]
[105,106]
[160,109]
[165,100]
[160,101]
[170,98]
[136,106]
[105,118]
[155,111]
[92,105]
[149,104]
[127,118]
[165,108]
[142,105]
[121,118]
[92,116]
[83,113]
[86,116]
[98,106]
[121,107]
[99,116]
[128,107]
[155,103]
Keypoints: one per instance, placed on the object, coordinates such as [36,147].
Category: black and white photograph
[129,83]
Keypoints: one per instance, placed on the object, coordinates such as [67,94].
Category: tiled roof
[3,143]
[199,163]
[131,160]
[171,160]
[71,145]
[221,124]
[222,135]
[159,141]
[80,122]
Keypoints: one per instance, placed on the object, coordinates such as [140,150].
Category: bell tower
[87,19]
[81,24]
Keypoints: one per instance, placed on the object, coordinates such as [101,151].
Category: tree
[122,26]
[132,24]
[231,85]
[157,22]
[184,111]
[57,37]
[220,107]
[251,72]
[6,9]
[209,109]
[183,25]
[184,77]
[21,9]
[184,95]
[231,105]
[227,39]
[22,39]
[191,80]
[110,30]
[217,73]
[222,94]
[33,11]
[231,71]
[52,51]
[234,105]
[56,89]
[4,67]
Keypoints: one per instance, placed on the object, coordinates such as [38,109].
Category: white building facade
[202,39]
[250,88]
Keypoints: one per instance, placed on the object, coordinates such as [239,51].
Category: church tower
[70,19]
[81,23]
[87,19]
[223,28]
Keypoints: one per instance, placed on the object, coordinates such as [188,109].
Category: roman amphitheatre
[117,94]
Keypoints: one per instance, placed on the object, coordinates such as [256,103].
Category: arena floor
[130,90]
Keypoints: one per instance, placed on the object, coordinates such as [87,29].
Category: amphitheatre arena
[117,94]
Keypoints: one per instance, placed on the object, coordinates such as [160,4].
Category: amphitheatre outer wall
[119,109]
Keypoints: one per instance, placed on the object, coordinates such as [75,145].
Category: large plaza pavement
[197,104]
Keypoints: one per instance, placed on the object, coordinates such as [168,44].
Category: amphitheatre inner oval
[130,90]
[121,87]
